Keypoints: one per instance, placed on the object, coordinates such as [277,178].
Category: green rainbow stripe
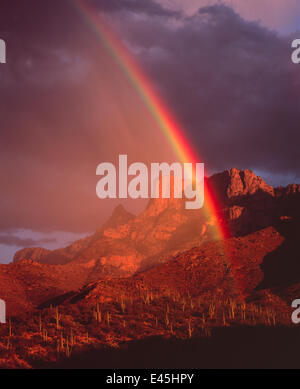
[171,130]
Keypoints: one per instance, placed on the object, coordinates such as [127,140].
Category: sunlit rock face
[126,244]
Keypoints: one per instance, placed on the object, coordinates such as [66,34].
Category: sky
[222,67]
[282,16]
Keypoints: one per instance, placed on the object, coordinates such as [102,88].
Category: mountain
[234,183]
[119,217]
[249,204]
[65,255]
[33,253]
[161,275]
[185,302]
[127,244]
[205,270]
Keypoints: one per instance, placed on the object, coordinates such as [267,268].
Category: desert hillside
[160,274]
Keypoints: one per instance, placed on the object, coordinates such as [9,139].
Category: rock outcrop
[126,244]
[33,253]
[234,184]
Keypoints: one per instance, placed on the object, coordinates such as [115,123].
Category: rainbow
[170,128]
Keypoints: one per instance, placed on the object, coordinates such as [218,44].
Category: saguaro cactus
[57,318]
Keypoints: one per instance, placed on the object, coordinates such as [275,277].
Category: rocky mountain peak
[234,183]
[118,217]
[33,253]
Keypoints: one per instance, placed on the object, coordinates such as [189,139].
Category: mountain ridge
[247,203]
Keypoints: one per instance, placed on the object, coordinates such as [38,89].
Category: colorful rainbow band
[169,127]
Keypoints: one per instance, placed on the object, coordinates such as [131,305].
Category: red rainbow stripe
[169,127]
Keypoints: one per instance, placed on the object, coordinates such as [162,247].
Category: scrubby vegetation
[57,332]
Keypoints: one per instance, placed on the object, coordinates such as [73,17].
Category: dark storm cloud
[150,8]
[43,40]
[41,109]
[231,83]
[64,107]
